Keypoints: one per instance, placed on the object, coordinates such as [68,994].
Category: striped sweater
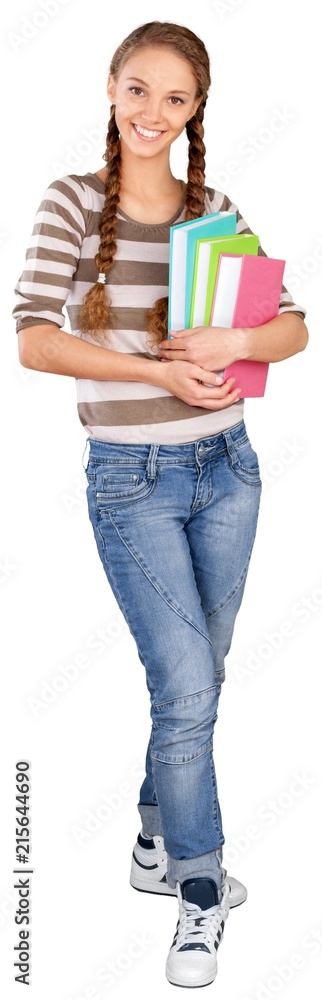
[60,268]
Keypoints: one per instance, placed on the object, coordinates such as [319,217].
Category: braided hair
[95,314]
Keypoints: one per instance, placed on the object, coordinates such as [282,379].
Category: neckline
[147,225]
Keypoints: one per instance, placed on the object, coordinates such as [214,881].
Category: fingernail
[219,380]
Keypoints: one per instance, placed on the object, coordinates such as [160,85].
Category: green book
[205,270]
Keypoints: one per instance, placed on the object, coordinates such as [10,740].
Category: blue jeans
[174,527]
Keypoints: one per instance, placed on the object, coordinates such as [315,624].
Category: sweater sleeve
[287,303]
[52,254]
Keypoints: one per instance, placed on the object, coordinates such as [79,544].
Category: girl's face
[154,97]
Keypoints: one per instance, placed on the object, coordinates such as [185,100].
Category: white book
[201,284]
[228,276]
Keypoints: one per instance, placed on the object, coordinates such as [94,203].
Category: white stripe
[171,432]
[292,308]
[129,296]
[62,201]
[31,289]
[156,253]
[47,266]
[109,392]
[52,244]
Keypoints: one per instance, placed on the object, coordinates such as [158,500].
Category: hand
[184,380]
[211,347]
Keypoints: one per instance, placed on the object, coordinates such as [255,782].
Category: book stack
[216,278]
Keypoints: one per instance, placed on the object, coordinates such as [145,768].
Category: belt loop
[151,463]
[230,446]
[86,451]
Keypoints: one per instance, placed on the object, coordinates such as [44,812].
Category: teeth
[145,131]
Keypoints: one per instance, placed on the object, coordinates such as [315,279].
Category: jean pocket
[243,460]
[121,486]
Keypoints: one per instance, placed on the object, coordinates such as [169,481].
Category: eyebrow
[174,91]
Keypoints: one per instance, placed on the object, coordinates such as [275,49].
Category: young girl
[173,481]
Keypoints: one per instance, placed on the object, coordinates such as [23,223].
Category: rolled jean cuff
[205,866]
[151,819]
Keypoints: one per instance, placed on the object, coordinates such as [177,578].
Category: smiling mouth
[146,132]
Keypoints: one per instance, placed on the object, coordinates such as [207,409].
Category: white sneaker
[192,959]
[149,871]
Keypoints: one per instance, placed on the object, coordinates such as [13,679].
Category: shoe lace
[197,923]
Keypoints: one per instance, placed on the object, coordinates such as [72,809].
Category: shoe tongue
[202,891]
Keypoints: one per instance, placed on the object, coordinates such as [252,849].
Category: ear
[111,86]
[195,106]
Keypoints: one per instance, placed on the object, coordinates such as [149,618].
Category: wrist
[148,371]
[243,343]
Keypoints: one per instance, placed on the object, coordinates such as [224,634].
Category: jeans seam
[193,694]
[180,762]
[233,593]
[165,599]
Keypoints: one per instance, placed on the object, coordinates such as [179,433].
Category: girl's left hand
[211,347]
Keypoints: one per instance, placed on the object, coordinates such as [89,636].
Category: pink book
[247,294]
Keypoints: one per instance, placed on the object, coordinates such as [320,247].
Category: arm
[47,348]
[283,336]
[216,347]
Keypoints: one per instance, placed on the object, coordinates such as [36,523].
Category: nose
[152,110]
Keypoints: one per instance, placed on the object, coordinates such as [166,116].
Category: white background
[87,745]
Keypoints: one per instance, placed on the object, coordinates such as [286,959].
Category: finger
[224,387]
[171,356]
[181,333]
[220,404]
[170,346]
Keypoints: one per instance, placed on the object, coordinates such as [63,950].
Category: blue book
[183,240]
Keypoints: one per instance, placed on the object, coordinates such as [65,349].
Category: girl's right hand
[183,378]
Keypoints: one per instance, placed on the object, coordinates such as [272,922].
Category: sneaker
[192,959]
[149,871]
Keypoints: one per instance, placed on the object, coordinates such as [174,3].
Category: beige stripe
[23,324]
[40,253]
[60,200]
[39,304]
[46,317]
[128,230]
[37,278]
[71,189]
[180,432]
[124,272]
[140,411]
[124,318]
[46,230]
